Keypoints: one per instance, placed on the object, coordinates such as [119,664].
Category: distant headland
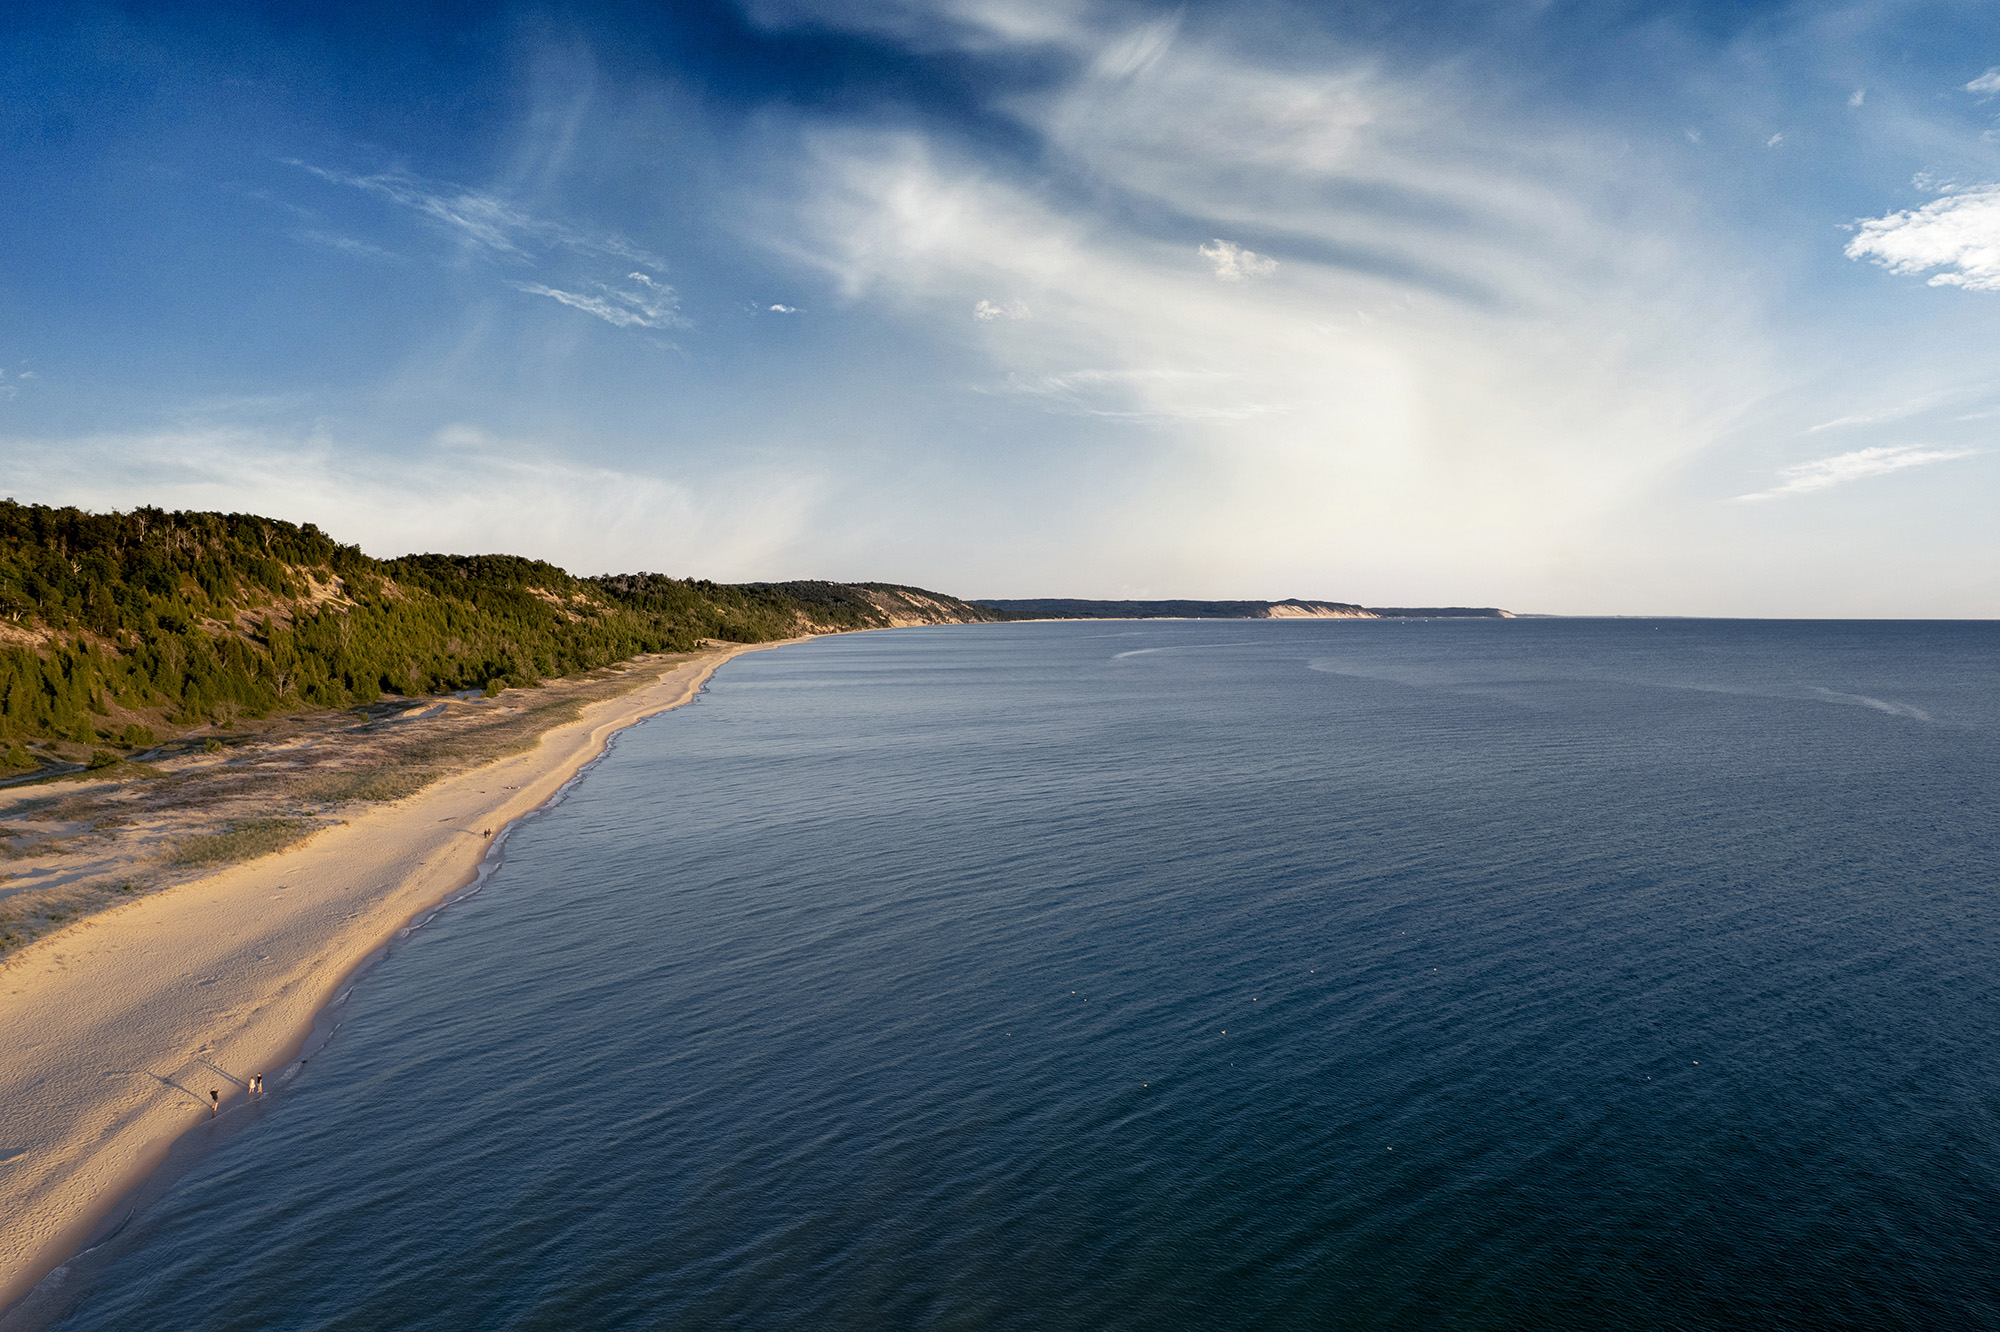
[1065,608]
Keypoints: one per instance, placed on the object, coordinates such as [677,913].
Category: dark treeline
[111,624]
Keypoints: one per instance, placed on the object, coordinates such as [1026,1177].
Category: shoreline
[119,1027]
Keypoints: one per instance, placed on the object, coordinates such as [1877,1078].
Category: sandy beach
[117,1029]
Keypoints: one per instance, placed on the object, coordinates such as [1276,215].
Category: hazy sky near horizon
[1572,307]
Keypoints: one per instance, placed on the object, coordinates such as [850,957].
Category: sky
[1567,306]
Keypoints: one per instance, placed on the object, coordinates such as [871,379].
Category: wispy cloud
[347,245]
[784,309]
[496,229]
[1824,473]
[649,304]
[987,311]
[1462,324]
[1959,233]
[1155,396]
[483,221]
[1775,141]
[1233,263]
[1857,97]
[1989,82]
[1901,411]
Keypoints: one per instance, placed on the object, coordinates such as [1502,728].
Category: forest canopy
[114,625]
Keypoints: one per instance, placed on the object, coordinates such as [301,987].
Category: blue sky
[1571,307]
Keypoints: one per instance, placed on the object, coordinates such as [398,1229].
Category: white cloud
[1775,141]
[654,305]
[784,309]
[1233,263]
[1823,473]
[1693,135]
[1857,97]
[987,311]
[1989,82]
[1959,233]
[1475,361]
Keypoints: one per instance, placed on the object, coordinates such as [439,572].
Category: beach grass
[378,786]
[243,840]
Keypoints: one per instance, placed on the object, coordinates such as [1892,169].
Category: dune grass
[245,839]
[378,785]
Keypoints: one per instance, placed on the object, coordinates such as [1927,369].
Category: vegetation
[377,786]
[114,627]
[244,840]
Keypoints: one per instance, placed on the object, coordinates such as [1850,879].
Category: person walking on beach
[256,1084]
[214,1102]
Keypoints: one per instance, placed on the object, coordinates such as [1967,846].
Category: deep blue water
[1530,974]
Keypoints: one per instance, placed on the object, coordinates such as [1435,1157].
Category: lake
[1393,974]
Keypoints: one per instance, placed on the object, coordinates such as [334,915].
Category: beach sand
[114,1031]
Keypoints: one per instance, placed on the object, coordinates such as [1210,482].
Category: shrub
[102,758]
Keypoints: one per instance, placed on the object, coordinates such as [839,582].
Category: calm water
[1182,975]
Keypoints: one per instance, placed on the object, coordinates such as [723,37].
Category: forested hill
[116,627]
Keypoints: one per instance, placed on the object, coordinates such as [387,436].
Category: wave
[1177,647]
[1889,706]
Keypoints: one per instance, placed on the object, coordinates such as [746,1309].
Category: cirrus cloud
[651,305]
[1824,473]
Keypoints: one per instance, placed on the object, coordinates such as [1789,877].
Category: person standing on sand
[214,1102]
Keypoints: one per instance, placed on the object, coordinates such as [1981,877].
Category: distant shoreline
[1295,608]
[120,1026]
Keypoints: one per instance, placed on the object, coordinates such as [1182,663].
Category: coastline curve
[118,1028]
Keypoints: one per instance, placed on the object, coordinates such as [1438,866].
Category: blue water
[1531,974]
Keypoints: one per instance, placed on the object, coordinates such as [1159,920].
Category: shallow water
[1181,975]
